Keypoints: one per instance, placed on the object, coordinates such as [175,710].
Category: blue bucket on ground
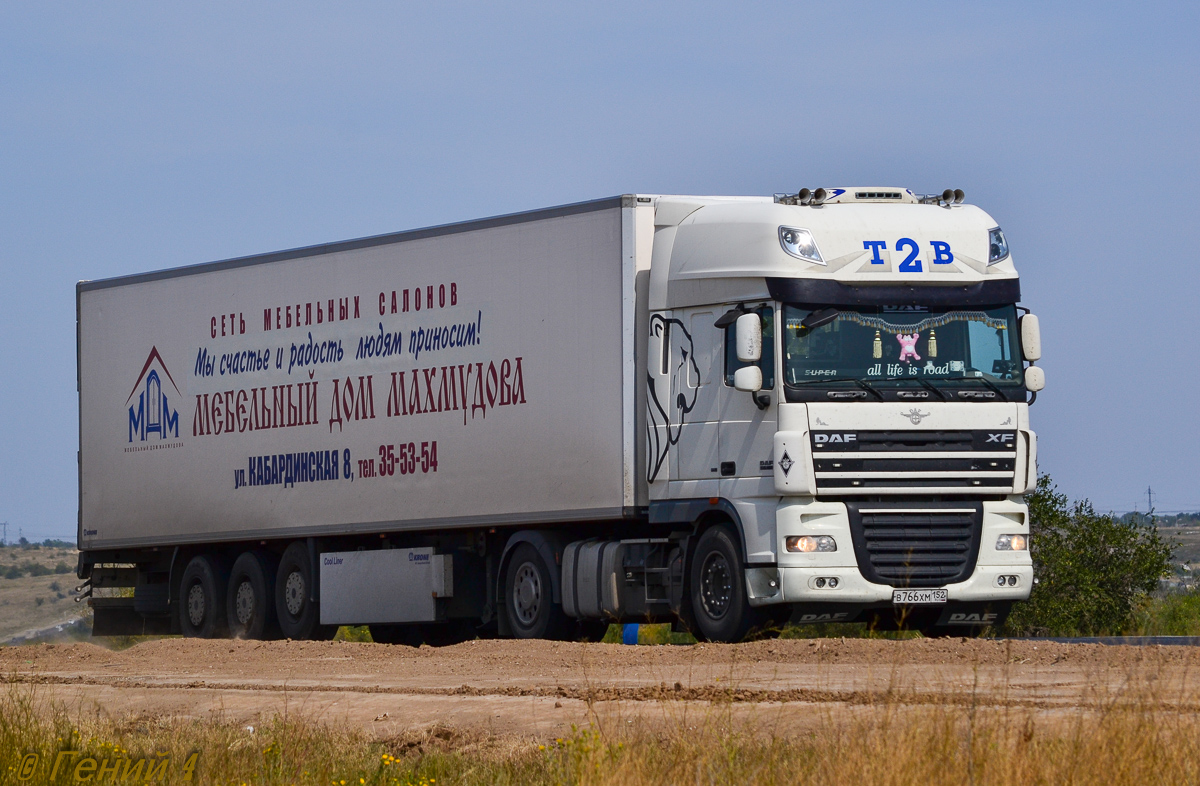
[629,635]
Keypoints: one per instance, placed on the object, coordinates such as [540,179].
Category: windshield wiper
[990,384]
[925,383]
[851,380]
[930,386]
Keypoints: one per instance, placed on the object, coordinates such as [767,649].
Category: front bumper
[794,578]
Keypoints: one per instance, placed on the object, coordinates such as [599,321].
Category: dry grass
[31,602]
[1141,733]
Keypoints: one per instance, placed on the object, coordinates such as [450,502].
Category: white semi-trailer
[721,411]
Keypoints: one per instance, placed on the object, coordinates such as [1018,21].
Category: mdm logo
[151,412]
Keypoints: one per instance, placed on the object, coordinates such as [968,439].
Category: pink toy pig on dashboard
[908,345]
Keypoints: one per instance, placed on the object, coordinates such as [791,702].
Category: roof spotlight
[819,196]
[805,196]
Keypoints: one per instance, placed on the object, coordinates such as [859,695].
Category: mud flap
[815,614]
[977,615]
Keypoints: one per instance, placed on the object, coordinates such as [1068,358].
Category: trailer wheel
[299,617]
[202,600]
[250,605]
[532,612]
[717,589]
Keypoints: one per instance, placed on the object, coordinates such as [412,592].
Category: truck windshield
[880,344]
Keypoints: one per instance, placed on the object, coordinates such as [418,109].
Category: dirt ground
[541,689]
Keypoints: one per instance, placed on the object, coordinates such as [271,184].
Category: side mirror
[749,340]
[1031,338]
[748,378]
[1035,379]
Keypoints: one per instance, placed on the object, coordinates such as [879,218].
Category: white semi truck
[724,412]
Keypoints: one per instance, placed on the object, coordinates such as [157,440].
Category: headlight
[810,543]
[800,244]
[997,246]
[1012,543]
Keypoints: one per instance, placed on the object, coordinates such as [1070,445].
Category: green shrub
[37,569]
[14,572]
[1173,614]
[62,567]
[1094,571]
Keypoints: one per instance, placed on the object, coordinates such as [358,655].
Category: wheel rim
[293,593]
[195,605]
[527,593]
[716,585]
[244,603]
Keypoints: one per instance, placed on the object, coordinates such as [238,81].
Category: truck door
[694,389]
[746,438]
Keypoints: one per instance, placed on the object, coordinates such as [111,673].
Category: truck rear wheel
[299,617]
[250,605]
[528,597]
[718,590]
[202,600]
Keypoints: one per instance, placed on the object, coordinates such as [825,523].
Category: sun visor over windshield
[835,293]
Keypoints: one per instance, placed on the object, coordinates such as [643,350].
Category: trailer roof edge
[574,208]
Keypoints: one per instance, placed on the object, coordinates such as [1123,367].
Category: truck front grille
[928,546]
[914,462]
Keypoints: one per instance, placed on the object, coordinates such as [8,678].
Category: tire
[250,599]
[718,590]
[299,617]
[202,599]
[528,597]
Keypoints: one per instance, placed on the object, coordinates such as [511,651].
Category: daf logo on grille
[823,438]
[915,416]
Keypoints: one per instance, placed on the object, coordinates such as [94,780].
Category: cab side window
[767,363]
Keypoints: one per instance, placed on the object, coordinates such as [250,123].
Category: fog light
[1012,543]
[1012,581]
[1001,580]
[833,582]
[810,543]
[820,583]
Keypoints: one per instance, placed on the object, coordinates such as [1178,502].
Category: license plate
[915,596]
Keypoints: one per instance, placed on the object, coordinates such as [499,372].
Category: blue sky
[143,135]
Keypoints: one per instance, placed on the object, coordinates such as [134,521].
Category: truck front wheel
[528,595]
[718,589]
[202,600]
[299,617]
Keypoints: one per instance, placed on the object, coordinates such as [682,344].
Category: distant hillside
[37,587]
